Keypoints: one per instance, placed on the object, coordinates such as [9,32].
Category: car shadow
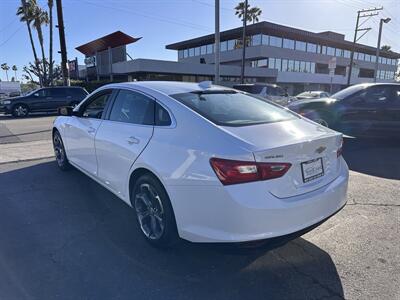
[66,237]
[376,157]
[30,116]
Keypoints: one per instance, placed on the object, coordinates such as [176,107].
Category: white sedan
[204,163]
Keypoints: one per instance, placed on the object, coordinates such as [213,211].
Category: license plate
[312,169]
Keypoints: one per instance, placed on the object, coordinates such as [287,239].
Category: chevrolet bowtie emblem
[320,149]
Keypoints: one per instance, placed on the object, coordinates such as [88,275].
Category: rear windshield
[252,89]
[233,109]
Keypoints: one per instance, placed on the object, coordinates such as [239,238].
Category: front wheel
[59,152]
[154,213]
[20,111]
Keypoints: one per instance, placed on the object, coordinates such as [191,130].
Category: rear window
[252,89]
[233,109]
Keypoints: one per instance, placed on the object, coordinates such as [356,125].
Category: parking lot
[66,237]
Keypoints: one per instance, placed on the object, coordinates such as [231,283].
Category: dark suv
[43,100]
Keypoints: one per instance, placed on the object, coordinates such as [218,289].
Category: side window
[162,116]
[43,93]
[374,95]
[133,107]
[57,92]
[95,107]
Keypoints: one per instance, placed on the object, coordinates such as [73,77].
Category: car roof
[257,84]
[167,87]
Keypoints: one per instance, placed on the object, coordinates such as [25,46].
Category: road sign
[331,72]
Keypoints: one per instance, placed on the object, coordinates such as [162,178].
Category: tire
[324,119]
[154,214]
[59,152]
[20,110]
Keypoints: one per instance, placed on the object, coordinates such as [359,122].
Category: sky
[161,22]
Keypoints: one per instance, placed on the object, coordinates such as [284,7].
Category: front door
[123,136]
[81,131]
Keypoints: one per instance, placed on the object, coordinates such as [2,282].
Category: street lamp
[387,20]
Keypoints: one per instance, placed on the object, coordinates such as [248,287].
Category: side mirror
[65,111]
[36,95]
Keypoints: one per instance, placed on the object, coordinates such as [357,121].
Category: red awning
[112,40]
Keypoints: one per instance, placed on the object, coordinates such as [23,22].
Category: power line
[12,35]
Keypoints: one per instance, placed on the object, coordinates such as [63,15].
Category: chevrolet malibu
[204,163]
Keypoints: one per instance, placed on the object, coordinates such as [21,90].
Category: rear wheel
[154,214]
[20,110]
[59,152]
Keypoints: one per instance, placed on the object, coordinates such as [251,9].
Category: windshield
[347,92]
[233,109]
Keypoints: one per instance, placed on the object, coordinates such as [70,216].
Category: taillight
[234,171]
[340,149]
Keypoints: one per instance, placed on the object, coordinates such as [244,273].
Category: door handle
[132,140]
[91,130]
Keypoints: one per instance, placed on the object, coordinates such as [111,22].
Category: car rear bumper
[242,213]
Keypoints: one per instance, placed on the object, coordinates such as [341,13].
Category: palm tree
[15,69]
[41,18]
[386,48]
[50,4]
[5,67]
[26,14]
[253,13]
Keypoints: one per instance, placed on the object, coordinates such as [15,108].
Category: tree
[253,13]
[5,67]
[50,4]
[26,14]
[41,18]
[386,48]
[15,69]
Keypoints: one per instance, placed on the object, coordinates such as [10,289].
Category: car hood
[13,98]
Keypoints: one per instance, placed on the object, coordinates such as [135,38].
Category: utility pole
[378,47]
[244,43]
[62,43]
[217,40]
[364,13]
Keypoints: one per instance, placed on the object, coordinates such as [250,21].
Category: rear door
[364,112]
[58,98]
[123,136]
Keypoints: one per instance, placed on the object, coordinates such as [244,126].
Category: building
[295,59]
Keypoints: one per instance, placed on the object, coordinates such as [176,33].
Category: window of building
[224,46]
[361,56]
[275,41]
[384,60]
[367,57]
[319,48]
[203,50]
[210,48]
[339,52]
[264,39]
[308,67]
[346,53]
[180,54]
[191,52]
[278,64]
[291,65]
[231,44]
[303,67]
[284,65]
[197,51]
[312,67]
[271,63]
[256,40]
[288,44]
[296,66]
[311,47]
[323,50]
[185,53]
[330,51]
[300,46]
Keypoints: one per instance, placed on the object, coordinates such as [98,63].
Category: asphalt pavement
[65,237]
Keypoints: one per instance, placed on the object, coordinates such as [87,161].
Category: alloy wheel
[150,211]
[21,111]
[58,149]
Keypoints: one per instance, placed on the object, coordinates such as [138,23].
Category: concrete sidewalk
[16,152]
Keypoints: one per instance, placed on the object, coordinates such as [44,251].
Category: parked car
[312,95]
[268,91]
[43,100]
[204,163]
[363,109]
